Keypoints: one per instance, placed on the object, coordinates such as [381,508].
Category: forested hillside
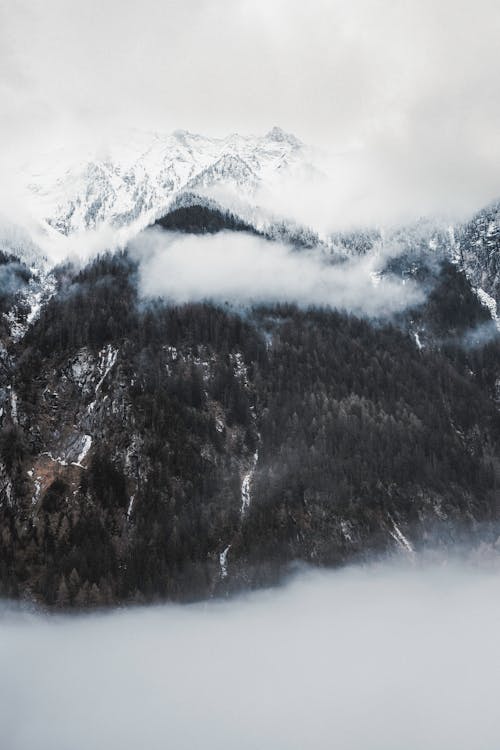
[151,450]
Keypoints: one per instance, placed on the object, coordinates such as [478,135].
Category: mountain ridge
[151,450]
[136,180]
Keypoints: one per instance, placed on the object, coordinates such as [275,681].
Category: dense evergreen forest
[153,451]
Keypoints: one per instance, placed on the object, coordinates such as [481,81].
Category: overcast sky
[408,86]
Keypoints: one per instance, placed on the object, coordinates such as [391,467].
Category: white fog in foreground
[241,268]
[384,657]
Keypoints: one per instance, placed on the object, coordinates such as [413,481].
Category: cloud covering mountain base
[386,656]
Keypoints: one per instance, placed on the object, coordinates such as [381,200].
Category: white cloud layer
[404,92]
[376,658]
[239,268]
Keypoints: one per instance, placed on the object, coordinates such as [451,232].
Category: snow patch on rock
[246,484]
[223,561]
[490,303]
[400,539]
[85,447]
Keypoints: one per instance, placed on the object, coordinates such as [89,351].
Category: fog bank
[383,657]
[240,268]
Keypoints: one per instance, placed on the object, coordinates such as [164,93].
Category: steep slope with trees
[151,451]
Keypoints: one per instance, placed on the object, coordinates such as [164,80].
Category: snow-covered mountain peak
[133,179]
[278,134]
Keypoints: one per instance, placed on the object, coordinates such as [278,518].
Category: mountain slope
[139,174]
[151,451]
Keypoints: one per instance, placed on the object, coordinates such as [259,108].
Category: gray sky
[409,88]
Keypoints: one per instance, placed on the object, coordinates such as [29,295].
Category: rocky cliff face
[478,245]
[150,451]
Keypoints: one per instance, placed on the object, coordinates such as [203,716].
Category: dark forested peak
[202,218]
[193,213]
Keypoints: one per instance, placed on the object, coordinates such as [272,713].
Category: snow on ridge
[140,174]
[490,303]
[41,287]
[107,359]
[246,484]
[130,506]
[13,405]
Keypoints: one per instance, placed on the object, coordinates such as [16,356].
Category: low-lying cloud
[240,269]
[377,658]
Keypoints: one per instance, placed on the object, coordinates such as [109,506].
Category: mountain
[135,178]
[477,249]
[152,450]
[417,250]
